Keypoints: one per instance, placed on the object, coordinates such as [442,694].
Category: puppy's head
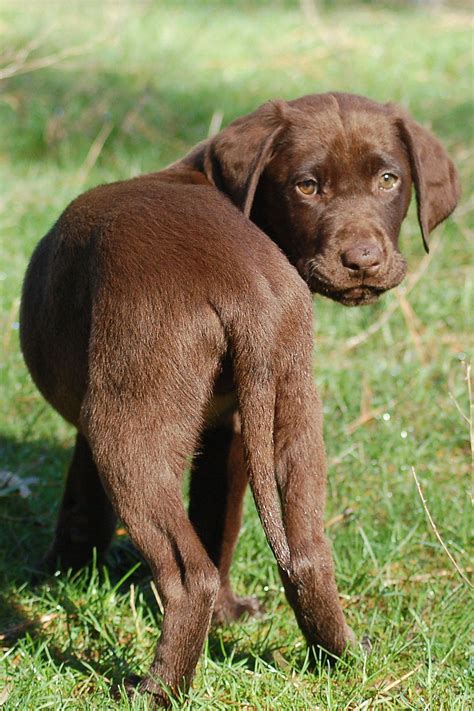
[329,178]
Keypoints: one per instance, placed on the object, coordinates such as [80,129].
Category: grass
[130,88]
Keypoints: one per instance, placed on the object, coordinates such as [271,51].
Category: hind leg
[186,579]
[141,458]
[86,520]
[143,414]
[218,483]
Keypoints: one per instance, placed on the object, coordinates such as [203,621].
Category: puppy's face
[329,177]
[334,198]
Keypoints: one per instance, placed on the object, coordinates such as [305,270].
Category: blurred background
[146,80]
[92,92]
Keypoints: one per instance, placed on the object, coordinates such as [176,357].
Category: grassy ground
[130,88]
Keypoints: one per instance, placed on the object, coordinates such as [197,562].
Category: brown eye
[308,187]
[387,181]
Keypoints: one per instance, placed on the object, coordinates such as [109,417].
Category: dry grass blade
[464,209]
[157,597]
[21,65]
[356,341]
[467,418]
[413,325]
[5,693]
[402,678]
[94,152]
[471,415]
[339,518]
[12,316]
[380,696]
[368,416]
[15,631]
[437,534]
[458,408]
[309,10]
[18,57]
[134,608]
[367,412]
[423,577]
[215,123]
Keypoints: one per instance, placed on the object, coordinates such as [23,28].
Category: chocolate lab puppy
[169,319]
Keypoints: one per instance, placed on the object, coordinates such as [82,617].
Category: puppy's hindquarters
[128,353]
[282,433]
[54,334]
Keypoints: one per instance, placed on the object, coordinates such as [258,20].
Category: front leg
[284,451]
[218,483]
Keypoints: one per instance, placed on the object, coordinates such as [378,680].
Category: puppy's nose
[365,257]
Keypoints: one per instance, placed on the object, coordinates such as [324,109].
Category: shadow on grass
[26,527]
[26,523]
[111,663]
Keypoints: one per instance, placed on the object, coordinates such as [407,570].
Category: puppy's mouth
[351,291]
[353,296]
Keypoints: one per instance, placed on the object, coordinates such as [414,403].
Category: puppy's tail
[256,396]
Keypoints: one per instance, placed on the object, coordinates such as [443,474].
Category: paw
[134,685]
[328,649]
[352,640]
[364,644]
[68,556]
[46,567]
[230,607]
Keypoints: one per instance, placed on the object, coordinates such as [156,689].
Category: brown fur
[165,325]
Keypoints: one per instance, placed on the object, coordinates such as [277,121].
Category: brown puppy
[156,318]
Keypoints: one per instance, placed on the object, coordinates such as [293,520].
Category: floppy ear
[235,159]
[435,178]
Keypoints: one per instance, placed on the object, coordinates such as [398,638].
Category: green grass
[152,75]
